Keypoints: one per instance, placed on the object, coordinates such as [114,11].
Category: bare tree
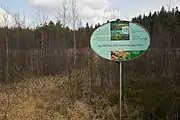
[63,19]
[63,15]
[115,15]
[40,17]
[74,16]
[17,20]
[23,22]
[4,22]
[79,23]
[5,16]
[169,5]
[18,23]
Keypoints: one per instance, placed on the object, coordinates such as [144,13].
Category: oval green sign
[120,40]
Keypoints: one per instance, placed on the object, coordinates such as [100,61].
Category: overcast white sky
[92,11]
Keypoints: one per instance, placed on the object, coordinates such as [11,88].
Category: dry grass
[48,98]
[42,99]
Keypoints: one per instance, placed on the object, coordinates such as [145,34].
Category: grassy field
[51,98]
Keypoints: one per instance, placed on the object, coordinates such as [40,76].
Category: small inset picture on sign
[120,31]
[120,55]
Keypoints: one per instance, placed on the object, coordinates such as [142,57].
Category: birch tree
[63,15]
[74,20]
[63,19]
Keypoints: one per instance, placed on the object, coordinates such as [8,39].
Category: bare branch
[5,16]
[80,23]
[40,17]
[74,13]
[75,16]
[17,20]
[115,15]
[63,15]
[24,20]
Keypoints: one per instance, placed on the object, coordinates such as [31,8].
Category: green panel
[125,55]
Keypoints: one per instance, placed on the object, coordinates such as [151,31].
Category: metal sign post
[120,89]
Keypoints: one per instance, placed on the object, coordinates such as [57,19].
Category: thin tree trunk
[74,38]
[7,59]
[42,53]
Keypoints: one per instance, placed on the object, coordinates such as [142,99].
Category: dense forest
[151,81]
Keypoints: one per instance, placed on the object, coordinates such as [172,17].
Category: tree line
[23,46]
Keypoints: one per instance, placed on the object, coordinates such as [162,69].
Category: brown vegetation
[48,98]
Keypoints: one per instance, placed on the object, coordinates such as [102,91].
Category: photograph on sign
[120,31]
[120,55]
[125,55]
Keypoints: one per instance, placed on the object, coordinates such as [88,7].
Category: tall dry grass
[40,98]
[47,98]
